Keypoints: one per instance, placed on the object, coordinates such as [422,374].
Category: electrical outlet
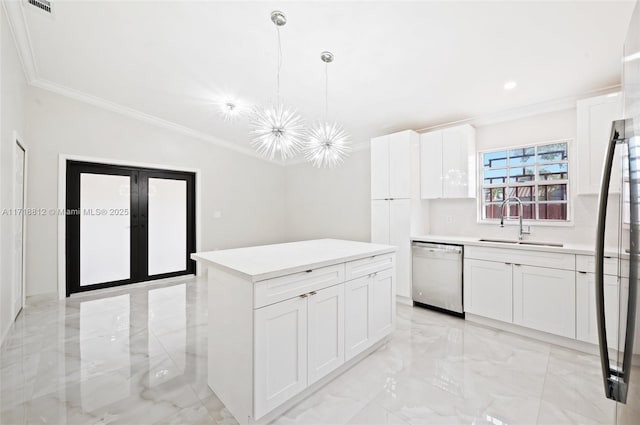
[217,214]
[449,219]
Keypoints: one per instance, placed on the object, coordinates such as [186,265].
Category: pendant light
[277,129]
[327,143]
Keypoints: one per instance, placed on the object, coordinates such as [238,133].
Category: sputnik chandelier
[279,130]
[326,145]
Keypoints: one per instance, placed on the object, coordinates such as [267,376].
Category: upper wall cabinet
[594,117]
[394,168]
[448,163]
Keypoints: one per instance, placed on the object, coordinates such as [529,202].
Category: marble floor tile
[139,356]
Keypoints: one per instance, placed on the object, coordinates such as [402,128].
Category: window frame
[570,182]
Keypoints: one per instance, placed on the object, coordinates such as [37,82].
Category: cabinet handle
[303,296]
[582,272]
[308,271]
[508,264]
[312,293]
[517,265]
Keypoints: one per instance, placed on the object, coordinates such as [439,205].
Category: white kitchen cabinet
[544,299]
[391,224]
[400,164]
[594,117]
[488,289]
[380,221]
[400,236]
[280,353]
[359,316]
[370,310]
[448,163]
[380,168]
[586,318]
[394,171]
[384,306]
[326,311]
[431,165]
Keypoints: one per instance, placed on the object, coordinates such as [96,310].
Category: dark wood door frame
[138,222]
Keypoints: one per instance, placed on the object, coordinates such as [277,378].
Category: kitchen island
[285,319]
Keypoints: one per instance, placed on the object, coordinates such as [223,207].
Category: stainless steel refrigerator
[620,378]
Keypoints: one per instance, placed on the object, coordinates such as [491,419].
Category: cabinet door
[280,369]
[384,303]
[380,221]
[326,331]
[358,316]
[488,290]
[594,117]
[545,299]
[586,320]
[399,165]
[431,165]
[400,235]
[458,162]
[380,168]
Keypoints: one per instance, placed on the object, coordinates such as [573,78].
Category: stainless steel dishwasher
[437,276]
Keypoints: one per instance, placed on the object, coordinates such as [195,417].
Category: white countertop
[475,241]
[268,261]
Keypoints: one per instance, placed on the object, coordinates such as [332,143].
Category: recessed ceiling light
[510,85]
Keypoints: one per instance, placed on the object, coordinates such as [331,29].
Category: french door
[127,225]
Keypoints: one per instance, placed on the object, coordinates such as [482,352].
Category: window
[538,175]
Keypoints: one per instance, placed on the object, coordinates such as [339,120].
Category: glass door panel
[105,231]
[167,226]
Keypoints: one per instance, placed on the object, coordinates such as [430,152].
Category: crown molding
[144,117]
[14,10]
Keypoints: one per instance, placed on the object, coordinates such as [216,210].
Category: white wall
[335,203]
[247,191]
[534,129]
[12,89]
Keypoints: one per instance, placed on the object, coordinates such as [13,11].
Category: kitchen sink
[500,241]
[555,244]
[514,242]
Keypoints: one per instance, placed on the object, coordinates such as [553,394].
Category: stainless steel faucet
[507,202]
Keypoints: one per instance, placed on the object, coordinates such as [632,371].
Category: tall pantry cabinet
[397,211]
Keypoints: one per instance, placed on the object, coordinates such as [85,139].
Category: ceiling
[397,65]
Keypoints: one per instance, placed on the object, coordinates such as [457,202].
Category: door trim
[62,196]
[20,144]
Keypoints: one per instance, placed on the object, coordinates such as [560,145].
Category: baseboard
[400,299]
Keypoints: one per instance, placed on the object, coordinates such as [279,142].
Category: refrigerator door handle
[614,380]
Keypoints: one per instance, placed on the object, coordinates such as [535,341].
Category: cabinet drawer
[587,263]
[552,260]
[281,288]
[366,266]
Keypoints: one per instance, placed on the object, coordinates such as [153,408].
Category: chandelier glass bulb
[327,145]
[277,130]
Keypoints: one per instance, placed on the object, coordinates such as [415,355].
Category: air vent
[43,5]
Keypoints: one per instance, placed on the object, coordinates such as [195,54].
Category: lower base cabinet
[280,368]
[370,307]
[303,339]
[488,291]
[535,297]
[586,316]
[544,299]
[326,332]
